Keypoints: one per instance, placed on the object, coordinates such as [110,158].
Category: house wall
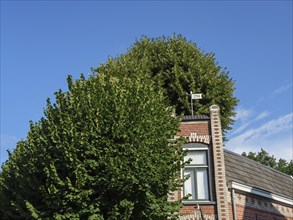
[199,127]
[198,131]
[206,209]
[219,164]
[209,131]
[250,207]
[202,129]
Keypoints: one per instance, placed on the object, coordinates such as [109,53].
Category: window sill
[186,202]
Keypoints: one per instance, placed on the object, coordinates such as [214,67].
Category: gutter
[233,204]
[259,192]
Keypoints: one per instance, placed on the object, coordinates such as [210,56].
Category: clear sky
[44,41]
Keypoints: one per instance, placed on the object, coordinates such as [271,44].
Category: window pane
[202,184]
[198,157]
[189,184]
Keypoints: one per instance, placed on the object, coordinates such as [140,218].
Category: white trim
[195,202]
[259,192]
[195,149]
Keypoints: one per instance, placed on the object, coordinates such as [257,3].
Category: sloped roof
[249,172]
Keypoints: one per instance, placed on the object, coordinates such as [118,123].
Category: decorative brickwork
[198,131]
[198,127]
[248,207]
[194,131]
[220,177]
[197,216]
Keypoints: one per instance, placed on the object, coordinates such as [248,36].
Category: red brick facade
[251,207]
[206,209]
[199,127]
[248,207]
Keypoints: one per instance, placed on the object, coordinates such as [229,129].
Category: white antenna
[194,96]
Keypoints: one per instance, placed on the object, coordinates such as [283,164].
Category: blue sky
[44,41]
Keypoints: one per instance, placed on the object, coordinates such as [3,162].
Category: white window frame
[196,146]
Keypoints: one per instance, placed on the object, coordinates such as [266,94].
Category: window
[197,185]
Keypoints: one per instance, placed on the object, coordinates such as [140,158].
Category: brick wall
[199,131]
[219,164]
[206,209]
[210,132]
[250,207]
[200,127]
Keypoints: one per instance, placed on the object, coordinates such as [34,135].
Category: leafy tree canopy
[104,150]
[263,157]
[179,67]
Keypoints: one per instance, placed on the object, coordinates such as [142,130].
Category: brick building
[224,185]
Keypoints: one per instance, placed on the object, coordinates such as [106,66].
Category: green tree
[289,168]
[179,67]
[265,158]
[282,165]
[104,150]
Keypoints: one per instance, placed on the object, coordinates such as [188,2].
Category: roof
[251,173]
[194,117]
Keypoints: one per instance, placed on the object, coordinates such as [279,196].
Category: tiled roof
[194,117]
[249,172]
